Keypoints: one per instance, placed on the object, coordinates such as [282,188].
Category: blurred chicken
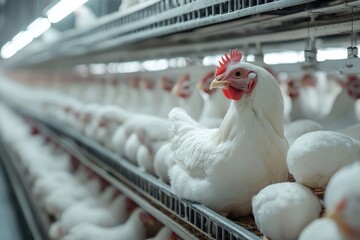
[209,162]
[300,107]
[106,121]
[343,113]
[169,100]
[111,85]
[163,161]
[110,215]
[61,199]
[189,98]
[215,105]
[139,226]
[314,157]
[342,221]
[275,206]
[296,129]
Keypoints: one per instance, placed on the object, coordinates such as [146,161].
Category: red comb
[352,78]
[235,56]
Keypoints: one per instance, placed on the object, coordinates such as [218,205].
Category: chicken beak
[218,82]
[175,90]
[199,85]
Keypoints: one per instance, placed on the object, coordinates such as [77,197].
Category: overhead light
[284,57]
[63,8]
[156,65]
[38,27]
[211,60]
[21,39]
[7,51]
[128,67]
[331,54]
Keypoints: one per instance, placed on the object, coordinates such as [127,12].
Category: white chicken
[169,101]
[314,157]
[104,216]
[43,186]
[134,98]
[322,229]
[126,141]
[189,97]
[352,131]
[296,129]
[342,204]
[215,105]
[111,86]
[342,197]
[106,121]
[163,161]
[139,226]
[282,210]
[225,167]
[151,96]
[60,199]
[343,113]
[300,108]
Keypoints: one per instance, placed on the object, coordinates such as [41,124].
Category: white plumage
[343,113]
[343,188]
[282,210]
[209,162]
[100,215]
[135,228]
[60,199]
[316,156]
[163,161]
[189,97]
[296,129]
[322,229]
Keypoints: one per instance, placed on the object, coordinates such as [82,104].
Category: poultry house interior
[179,119]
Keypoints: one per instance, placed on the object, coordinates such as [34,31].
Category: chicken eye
[238,74]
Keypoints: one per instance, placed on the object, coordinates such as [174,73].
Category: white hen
[189,98]
[316,156]
[225,167]
[139,226]
[282,210]
[343,113]
[215,105]
[104,216]
[296,129]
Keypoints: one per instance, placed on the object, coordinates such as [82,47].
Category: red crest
[233,57]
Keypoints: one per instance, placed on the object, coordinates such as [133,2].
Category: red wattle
[235,94]
[226,93]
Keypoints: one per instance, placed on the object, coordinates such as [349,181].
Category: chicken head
[293,89]
[205,83]
[353,86]
[183,87]
[234,77]
[166,83]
